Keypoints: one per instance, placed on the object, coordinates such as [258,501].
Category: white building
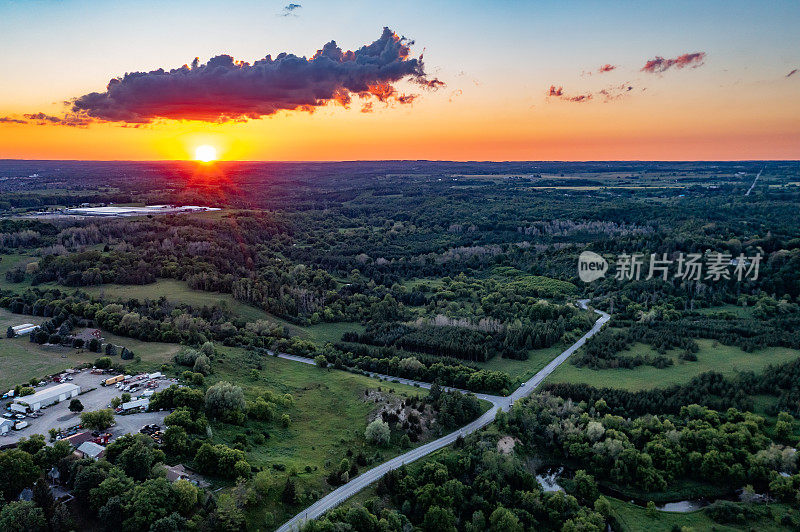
[48,396]
[137,403]
[90,449]
[5,425]
[25,328]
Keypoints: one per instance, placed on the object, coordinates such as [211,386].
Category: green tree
[17,471]
[102,363]
[22,516]
[504,520]
[75,406]
[224,401]
[439,519]
[185,495]
[98,420]
[10,332]
[378,432]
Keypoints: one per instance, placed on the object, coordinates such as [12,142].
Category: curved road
[339,495]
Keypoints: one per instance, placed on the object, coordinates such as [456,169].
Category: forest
[458,274]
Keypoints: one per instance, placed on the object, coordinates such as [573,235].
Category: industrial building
[5,425]
[25,328]
[46,397]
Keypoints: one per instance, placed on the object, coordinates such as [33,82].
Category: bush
[378,432]
[103,363]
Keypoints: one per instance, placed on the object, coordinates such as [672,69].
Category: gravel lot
[59,416]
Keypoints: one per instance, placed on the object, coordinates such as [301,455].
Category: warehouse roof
[48,393]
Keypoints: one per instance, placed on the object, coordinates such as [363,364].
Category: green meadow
[712,356]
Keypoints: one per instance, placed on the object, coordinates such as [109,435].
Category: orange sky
[739,104]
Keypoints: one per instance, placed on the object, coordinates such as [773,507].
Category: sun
[205,153]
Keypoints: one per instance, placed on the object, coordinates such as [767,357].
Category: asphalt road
[339,495]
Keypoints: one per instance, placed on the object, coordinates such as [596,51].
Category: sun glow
[205,153]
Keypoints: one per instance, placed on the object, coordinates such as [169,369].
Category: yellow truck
[113,380]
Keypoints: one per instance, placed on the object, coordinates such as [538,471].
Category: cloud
[659,64]
[606,68]
[9,120]
[615,92]
[558,92]
[290,9]
[69,119]
[792,73]
[227,90]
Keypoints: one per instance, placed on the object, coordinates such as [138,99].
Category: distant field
[178,291]
[523,369]
[739,312]
[724,359]
[21,360]
[8,262]
[634,518]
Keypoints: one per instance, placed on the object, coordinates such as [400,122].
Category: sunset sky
[519,80]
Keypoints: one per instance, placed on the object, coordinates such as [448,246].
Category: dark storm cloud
[9,120]
[224,89]
[659,64]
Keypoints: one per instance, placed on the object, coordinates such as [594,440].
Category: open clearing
[634,518]
[179,292]
[724,359]
[21,360]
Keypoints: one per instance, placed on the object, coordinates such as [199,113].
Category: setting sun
[205,153]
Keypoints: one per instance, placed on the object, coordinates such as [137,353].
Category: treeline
[709,389]
[650,452]
[425,368]
[159,320]
[602,351]
[471,487]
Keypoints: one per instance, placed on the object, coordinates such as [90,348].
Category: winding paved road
[339,495]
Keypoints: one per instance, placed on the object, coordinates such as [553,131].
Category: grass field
[634,518]
[21,360]
[179,292]
[523,369]
[328,417]
[712,356]
[9,262]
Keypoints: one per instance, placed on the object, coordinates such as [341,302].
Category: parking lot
[59,416]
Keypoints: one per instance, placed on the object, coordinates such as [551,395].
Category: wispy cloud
[792,73]
[660,64]
[69,119]
[10,120]
[224,89]
[606,68]
[290,10]
[558,92]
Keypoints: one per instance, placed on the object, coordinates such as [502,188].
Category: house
[5,425]
[77,439]
[89,449]
[48,396]
[178,472]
